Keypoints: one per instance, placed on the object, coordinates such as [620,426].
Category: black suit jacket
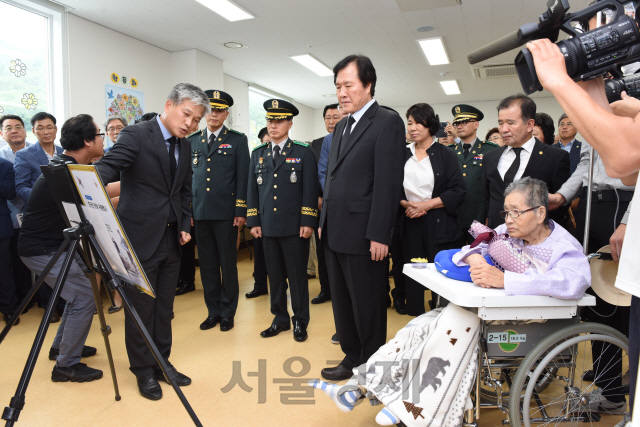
[316,146]
[547,163]
[140,161]
[363,186]
[574,154]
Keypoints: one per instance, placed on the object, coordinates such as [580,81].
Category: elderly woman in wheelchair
[425,374]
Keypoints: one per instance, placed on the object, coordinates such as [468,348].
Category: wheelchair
[538,363]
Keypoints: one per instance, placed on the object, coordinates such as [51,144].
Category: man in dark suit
[8,298]
[152,160]
[282,209]
[220,162]
[331,116]
[522,155]
[361,197]
[568,141]
[470,152]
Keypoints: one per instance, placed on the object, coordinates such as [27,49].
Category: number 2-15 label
[505,337]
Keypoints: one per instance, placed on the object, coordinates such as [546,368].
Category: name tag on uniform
[292,160]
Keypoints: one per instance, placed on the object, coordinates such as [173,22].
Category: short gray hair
[112,118]
[535,192]
[563,116]
[186,91]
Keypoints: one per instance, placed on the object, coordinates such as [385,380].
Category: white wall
[239,116]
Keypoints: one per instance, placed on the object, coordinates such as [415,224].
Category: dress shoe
[210,322]
[114,309]
[226,324]
[299,331]
[400,306]
[55,317]
[255,293]
[87,351]
[339,373]
[149,387]
[8,316]
[185,287]
[334,339]
[181,379]
[322,297]
[274,330]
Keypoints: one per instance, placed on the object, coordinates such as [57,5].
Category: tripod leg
[106,329]
[169,373]
[12,412]
[33,290]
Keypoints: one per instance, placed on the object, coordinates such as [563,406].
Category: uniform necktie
[466,148]
[276,154]
[172,157]
[212,139]
[347,133]
[513,169]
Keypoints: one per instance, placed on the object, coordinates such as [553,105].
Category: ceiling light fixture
[233,45]
[313,64]
[434,50]
[226,9]
[450,87]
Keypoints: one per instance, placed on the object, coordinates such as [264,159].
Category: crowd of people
[371,189]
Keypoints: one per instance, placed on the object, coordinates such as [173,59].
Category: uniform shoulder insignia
[235,131]
[196,132]
[260,146]
[452,145]
[304,144]
[491,143]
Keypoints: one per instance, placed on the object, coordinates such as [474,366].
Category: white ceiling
[331,30]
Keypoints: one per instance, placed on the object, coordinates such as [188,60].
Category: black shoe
[339,373]
[274,330]
[322,297]
[149,387]
[87,351]
[226,324]
[334,339]
[114,309]
[400,306]
[388,301]
[55,317]
[299,331]
[8,316]
[210,322]
[181,379]
[311,276]
[78,373]
[255,293]
[589,376]
[185,287]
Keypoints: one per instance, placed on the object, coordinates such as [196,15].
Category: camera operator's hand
[549,63]
[627,107]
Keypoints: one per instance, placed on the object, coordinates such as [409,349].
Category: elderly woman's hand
[486,276]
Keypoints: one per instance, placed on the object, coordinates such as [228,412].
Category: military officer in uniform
[283,210]
[220,162]
[470,152]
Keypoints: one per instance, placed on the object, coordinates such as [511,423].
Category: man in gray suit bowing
[152,161]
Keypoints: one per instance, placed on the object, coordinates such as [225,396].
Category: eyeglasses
[101,135]
[119,128]
[515,213]
[463,122]
[42,128]
[565,125]
[10,128]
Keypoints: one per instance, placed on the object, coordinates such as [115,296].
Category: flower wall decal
[18,68]
[29,101]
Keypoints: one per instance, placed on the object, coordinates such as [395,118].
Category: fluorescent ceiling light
[226,9]
[434,50]
[313,64]
[450,87]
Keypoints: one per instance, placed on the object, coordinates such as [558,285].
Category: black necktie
[212,140]
[466,148]
[513,169]
[276,154]
[172,157]
[347,133]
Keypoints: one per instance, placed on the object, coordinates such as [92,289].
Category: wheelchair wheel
[506,377]
[561,358]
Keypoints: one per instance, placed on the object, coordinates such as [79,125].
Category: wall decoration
[29,101]
[18,68]
[134,82]
[115,78]
[124,102]
[124,80]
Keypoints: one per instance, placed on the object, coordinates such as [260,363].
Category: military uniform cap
[463,112]
[219,100]
[279,109]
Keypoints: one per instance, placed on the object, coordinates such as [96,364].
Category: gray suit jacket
[140,161]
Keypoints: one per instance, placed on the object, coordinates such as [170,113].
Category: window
[31,76]
[257,114]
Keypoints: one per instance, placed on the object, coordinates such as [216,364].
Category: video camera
[629,84]
[588,54]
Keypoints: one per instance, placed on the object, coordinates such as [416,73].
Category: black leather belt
[609,195]
[172,224]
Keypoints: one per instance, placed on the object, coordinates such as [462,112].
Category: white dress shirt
[508,157]
[216,133]
[281,144]
[358,115]
[418,177]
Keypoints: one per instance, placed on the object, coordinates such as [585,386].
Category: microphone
[502,45]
